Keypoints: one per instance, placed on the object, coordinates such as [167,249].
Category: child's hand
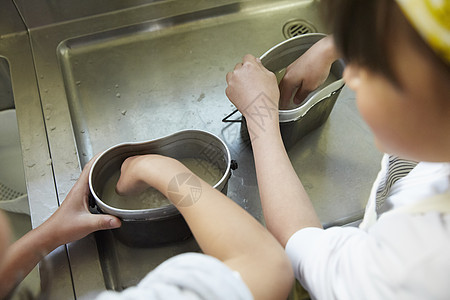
[308,72]
[249,81]
[132,175]
[139,172]
[72,220]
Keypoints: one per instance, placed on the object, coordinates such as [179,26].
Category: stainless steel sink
[157,77]
[146,69]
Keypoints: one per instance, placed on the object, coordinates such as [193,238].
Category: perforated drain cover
[297,27]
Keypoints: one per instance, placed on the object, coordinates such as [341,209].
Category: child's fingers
[102,222]
[108,222]
[130,181]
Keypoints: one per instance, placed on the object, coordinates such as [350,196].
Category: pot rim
[292,115]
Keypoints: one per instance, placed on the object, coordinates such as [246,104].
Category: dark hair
[365,32]
[361,31]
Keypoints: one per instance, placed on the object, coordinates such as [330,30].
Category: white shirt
[396,255]
[186,276]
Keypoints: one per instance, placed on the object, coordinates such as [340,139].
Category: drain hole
[297,27]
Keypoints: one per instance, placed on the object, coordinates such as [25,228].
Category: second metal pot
[147,227]
[315,110]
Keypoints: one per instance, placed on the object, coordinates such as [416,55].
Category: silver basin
[155,226]
[92,77]
[298,121]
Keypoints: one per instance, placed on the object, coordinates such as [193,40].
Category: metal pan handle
[227,118]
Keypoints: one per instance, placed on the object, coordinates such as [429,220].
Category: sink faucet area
[86,77]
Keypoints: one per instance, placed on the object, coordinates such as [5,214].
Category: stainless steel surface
[86,79]
[41,13]
[6,94]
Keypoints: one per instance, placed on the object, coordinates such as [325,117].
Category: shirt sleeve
[400,257]
[186,276]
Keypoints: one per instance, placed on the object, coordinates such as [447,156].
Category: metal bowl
[146,227]
[315,110]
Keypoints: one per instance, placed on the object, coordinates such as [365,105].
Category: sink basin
[149,80]
[164,75]
[151,69]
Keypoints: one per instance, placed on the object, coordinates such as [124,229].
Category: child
[72,221]
[399,67]
[243,260]
[222,229]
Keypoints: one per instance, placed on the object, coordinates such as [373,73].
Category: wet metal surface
[100,77]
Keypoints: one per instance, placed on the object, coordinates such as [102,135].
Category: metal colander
[13,201]
[13,197]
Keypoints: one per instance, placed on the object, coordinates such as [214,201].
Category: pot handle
[93,208]
[227,118]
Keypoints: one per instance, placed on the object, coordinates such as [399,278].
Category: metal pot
[315,110]
[297,122]
[147,227]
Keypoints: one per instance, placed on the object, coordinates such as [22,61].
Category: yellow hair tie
[431,18]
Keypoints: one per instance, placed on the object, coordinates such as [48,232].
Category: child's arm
[308,72]
[221,227]
[72,221]
[286,206]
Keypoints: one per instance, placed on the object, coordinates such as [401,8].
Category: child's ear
[352,76]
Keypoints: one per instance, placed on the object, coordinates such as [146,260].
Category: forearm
[307,72]
[328,49]
[21,257]
[286,205]
[222,228]
[71,221]
[226,231]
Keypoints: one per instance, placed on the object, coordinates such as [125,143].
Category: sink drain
[297,27]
